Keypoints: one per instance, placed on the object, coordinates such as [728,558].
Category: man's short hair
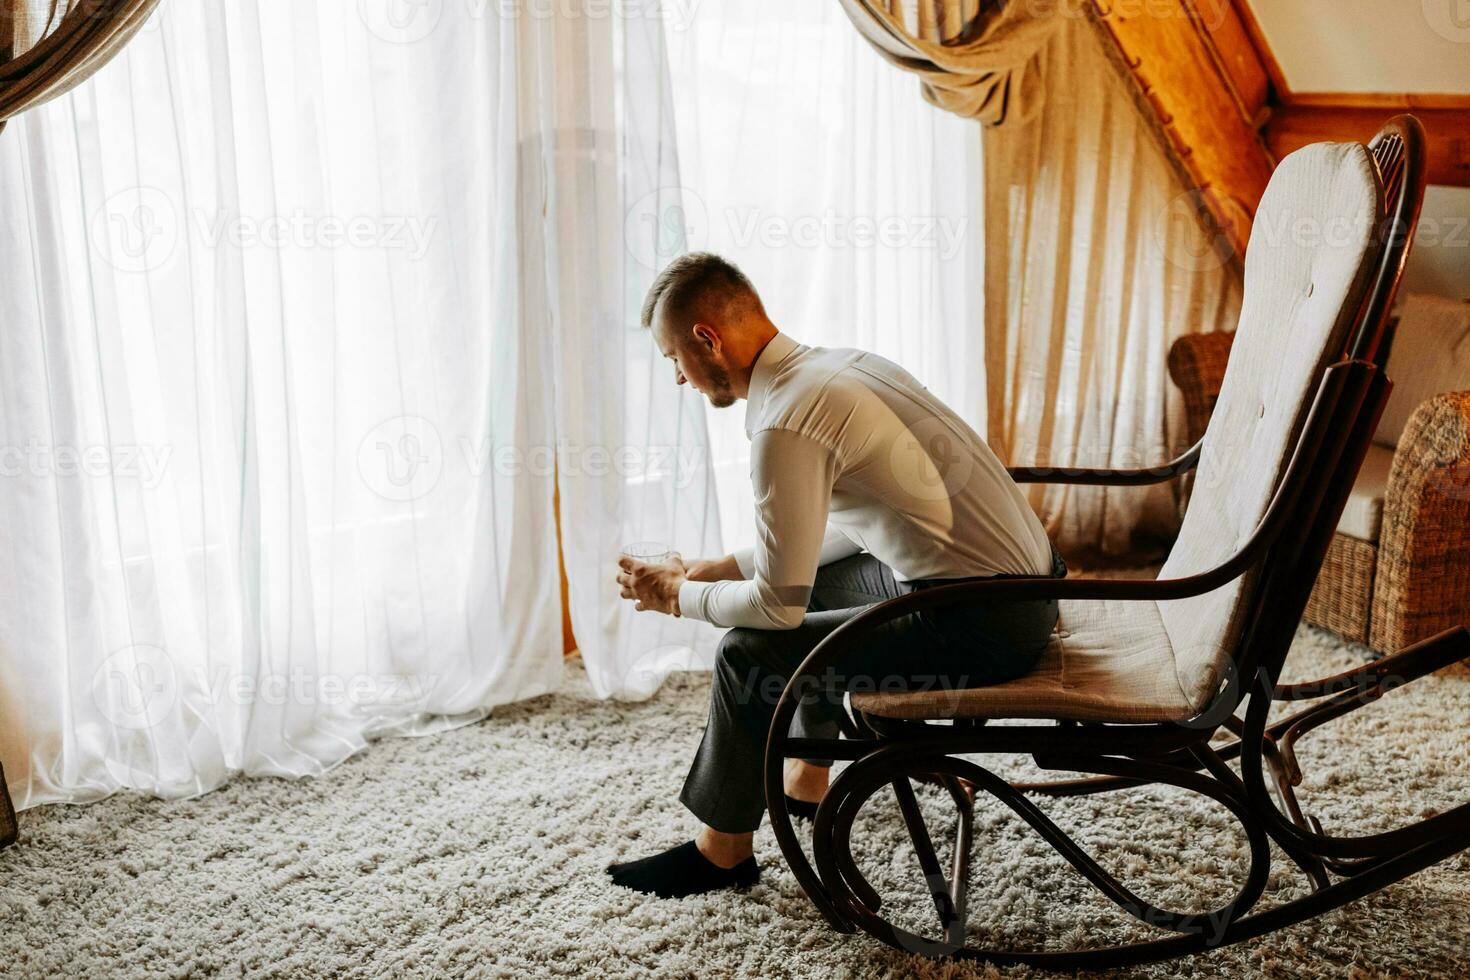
[700,286]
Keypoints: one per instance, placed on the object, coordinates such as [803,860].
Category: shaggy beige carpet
[480,853]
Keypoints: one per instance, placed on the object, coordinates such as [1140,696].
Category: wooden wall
[1206,70]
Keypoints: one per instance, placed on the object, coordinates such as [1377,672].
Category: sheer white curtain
[853,205]
[299,328]
[633,451]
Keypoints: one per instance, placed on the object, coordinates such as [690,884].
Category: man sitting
[866,487]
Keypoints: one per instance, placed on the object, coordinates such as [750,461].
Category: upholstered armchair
[1398,568]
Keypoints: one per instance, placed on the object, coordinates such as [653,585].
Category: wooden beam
[1315,117]
[1193,63]
[1281,91]
[1235,52]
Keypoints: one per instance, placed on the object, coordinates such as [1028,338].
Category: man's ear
[706,335]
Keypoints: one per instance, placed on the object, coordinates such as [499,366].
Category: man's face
[695,362]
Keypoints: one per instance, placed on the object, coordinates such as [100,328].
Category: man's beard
[719,381]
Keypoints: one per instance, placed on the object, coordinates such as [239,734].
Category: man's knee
[741,672]
[737,650]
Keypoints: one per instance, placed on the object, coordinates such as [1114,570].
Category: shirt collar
[777,349]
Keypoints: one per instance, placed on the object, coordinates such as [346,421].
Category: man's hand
[714,570]
[652,587]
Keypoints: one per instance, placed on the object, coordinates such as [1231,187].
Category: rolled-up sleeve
[792,476]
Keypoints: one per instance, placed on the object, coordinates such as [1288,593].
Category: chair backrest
[1307,268]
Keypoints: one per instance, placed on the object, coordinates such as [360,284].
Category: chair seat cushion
[1362,516]
[1108,661]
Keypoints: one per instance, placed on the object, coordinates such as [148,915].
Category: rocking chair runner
[8,827]
[1142,674]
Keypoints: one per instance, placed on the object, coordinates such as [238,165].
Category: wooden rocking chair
[1142,675]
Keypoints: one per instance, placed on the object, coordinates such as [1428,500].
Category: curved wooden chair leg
[844,881]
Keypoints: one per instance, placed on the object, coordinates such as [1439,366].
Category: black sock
[682,871]
[801,808]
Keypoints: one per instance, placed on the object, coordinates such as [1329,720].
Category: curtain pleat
[1096,262]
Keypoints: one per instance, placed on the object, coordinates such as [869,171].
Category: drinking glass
[650,552]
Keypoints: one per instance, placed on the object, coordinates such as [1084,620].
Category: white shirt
[850,453]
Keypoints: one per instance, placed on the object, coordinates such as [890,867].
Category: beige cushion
[1305,274]
[1109,661]
[1363,515]
[1430,355]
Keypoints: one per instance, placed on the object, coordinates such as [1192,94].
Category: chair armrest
[1197,365]
[1144,476]
[1421,586]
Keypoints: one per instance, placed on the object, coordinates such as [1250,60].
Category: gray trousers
[956,647]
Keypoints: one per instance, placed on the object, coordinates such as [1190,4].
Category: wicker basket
[1414,582]
[1343,596]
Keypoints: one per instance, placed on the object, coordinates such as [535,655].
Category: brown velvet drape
[976,58]
[47,47]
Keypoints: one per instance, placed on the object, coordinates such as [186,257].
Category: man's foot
[801,809]
[805,785]
[682,871]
